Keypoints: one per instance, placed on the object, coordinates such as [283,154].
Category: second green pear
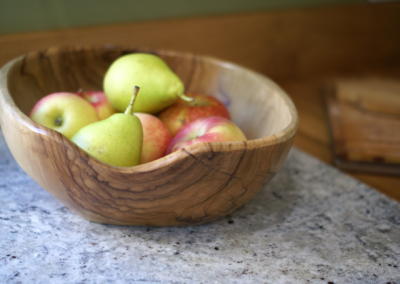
[116,140]
[159,85]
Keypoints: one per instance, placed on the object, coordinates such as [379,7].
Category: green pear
[116,140]
[159,85]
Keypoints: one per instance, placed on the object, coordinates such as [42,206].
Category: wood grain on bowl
[195,185]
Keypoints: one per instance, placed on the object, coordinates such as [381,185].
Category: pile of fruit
[142,115]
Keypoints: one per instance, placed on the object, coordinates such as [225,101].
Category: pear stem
[129,109]
[186,98]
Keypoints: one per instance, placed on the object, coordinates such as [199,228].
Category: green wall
[33,15]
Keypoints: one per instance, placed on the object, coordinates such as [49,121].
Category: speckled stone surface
[311,224]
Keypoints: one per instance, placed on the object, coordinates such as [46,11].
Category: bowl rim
[7,104]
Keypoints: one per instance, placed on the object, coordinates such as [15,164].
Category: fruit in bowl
[206,129]
[116,140]
[99,101]
[204,182]
[160,86]
[183,112]
[156,137]
[64,112]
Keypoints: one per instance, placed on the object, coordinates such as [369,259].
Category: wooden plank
[313,136]
[365,124]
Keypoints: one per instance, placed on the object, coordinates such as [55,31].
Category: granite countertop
[311,224]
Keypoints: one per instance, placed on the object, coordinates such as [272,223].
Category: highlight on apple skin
[208,129]
[99,101]
[156,137]
[63,112]
[183,112]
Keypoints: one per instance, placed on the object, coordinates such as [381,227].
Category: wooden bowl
[196,185]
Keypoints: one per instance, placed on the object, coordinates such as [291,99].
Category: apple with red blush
[208,129]
[156,137]
[183,112]
[64,112]
[99,101]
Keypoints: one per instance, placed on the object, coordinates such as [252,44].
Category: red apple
[208,129]
[99,101]
[183,112]
[64,112]
[156,137]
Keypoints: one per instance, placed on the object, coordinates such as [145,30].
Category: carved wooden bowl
[195,185]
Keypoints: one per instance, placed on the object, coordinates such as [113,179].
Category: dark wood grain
[198,184]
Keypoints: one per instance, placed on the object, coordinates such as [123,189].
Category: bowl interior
[256,104]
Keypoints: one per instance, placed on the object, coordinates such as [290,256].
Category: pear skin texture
[159,85]
[116,141]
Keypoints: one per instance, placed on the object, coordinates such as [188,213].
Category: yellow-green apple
[156,137]
[207,129]
[99,101]
[183,112]
[63,112]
